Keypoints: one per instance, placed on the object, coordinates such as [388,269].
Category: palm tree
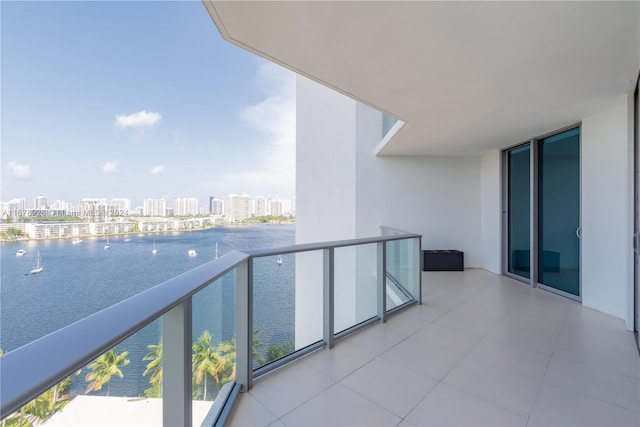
[276,351]
[207,361]
[104,367]
[155,368]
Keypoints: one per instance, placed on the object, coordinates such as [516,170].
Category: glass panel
[356,297]
[274,299]
[308,298]
[121,384]
[403,264]
[214,350]
[559,212]
[519,205]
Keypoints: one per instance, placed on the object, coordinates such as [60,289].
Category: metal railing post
[243,325]
[328,280]
[418,248]
[176,365]
[382,280]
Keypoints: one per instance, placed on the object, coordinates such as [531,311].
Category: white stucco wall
[491,212]
[605,212]
[438,197]
[325,167]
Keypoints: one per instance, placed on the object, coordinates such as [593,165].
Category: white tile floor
[482,350]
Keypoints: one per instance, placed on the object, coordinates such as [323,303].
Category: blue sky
[138,100]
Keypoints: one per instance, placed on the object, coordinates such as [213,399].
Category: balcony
[210,322]
[482,349]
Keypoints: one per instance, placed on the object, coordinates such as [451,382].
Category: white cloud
[275,117]
[139,120]
[17,170]
[110,167]
[156,169]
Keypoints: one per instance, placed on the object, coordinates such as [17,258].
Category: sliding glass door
[559,212]
[553,210]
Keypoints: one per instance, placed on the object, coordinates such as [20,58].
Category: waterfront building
[93,209]
[260,206]
[62,206]
[185,206]
[40,202]
[154,207]
[16,207]
[216,205]
[122,207]
[237,208]
[276,207]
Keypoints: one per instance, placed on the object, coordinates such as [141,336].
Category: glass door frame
[505,214]
[534,145]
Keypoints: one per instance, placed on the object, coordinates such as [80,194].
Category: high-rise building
[122,207]
[275,207]
[17,206]
[216,206]
[185,206]
[260,206]
[154,207]
[93,209]
[237,208]
[40,202]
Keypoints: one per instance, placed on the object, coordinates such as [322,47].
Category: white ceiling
[465,77]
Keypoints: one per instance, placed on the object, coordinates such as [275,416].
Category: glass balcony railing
[178,353]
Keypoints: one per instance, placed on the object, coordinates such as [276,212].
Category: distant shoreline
[131,233]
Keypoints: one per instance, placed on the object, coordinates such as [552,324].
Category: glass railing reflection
[403,265]
[356,295]
[214,342]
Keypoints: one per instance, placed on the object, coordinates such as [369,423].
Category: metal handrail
[33,368]
[307,247]
[30,370]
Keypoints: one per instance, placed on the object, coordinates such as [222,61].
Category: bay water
[81,279]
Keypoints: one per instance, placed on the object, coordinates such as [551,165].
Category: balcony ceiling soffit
[465,77]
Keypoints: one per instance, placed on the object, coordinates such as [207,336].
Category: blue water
[79,280]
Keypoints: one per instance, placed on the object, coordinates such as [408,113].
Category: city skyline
[160,108]
[43,202]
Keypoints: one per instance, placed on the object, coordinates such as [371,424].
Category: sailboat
[216,250]
[154,251]
[38,268]
[279,259]
[107,246]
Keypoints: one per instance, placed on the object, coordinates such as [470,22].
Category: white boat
[192,252]
[154,251]
[279,260]
[21,252]
[38,268]
[76,241]
[127,239]
[107,246]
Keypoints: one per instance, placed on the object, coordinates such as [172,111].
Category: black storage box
[442,260]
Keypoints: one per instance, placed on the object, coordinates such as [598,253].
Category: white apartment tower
[237,208]
[93,209]
[260,206]
[154,207]
[185,206]
[40,202]
[122,206]
[216,206]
